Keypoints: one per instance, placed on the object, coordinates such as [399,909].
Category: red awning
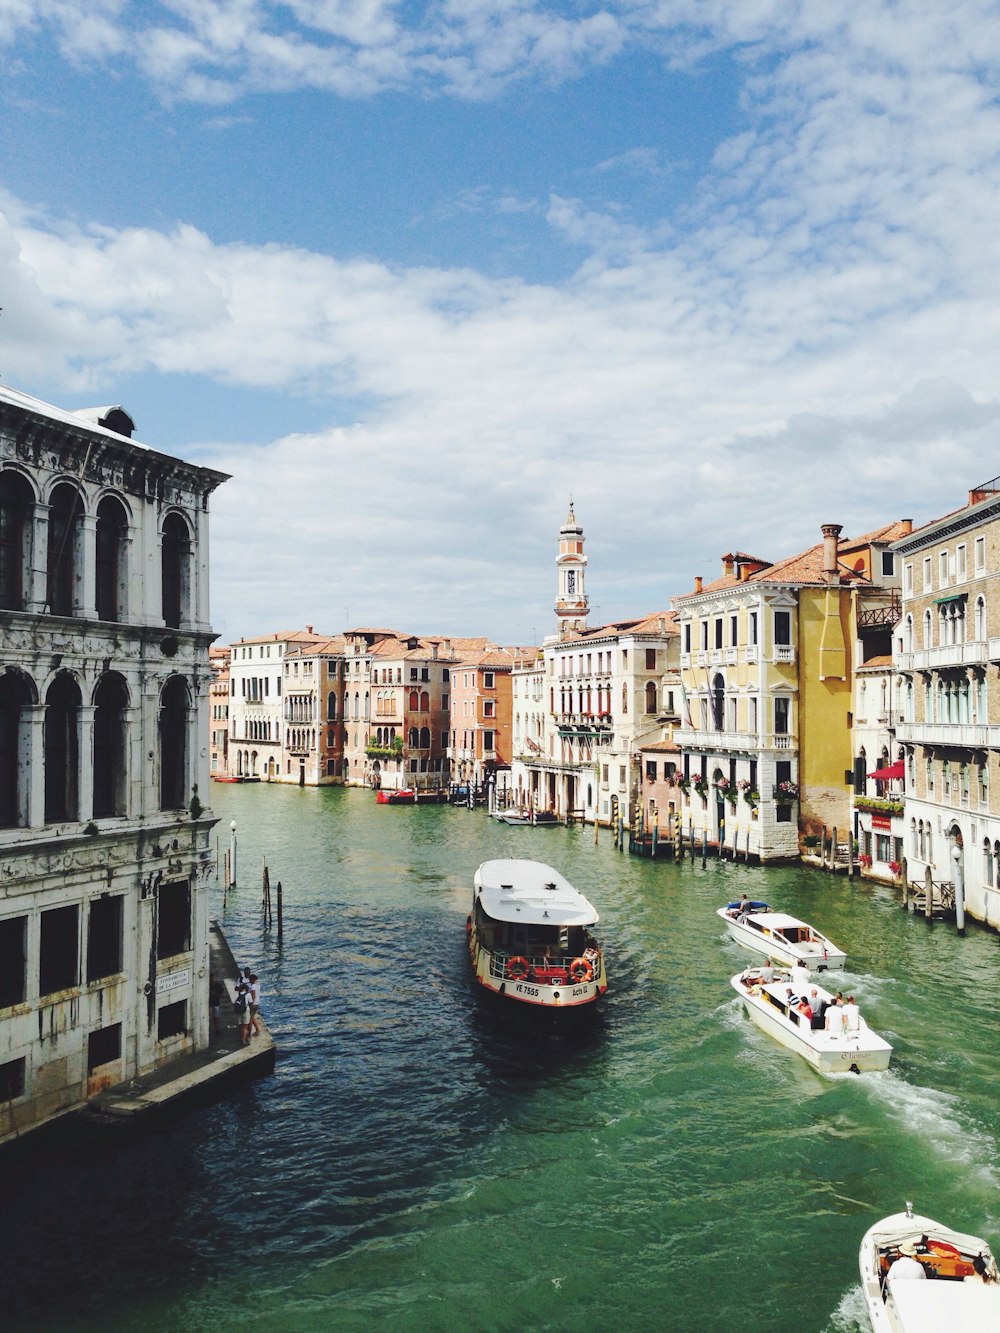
[890,774]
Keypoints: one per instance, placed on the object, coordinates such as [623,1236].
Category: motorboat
[778,936]
[963,1291]
[773,1006]
[396,796]
[529,936]
[513,816]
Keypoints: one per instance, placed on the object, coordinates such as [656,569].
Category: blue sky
[722,270]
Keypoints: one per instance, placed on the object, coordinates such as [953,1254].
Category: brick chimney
[831,531]
[727,565]
[697,583]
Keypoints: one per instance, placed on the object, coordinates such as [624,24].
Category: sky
[417,274]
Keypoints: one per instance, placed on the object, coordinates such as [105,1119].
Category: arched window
[920,840]
[174,704]
[650,696]
[718,703]
[980,619]
[414,701]
[624,700]
[908,634]
[112,580]
[15,540]
[987,863]
[65,539]
[928,634]
[425,702]
[413,738]
[110,747]
[425,738]
[62,749]
[175,570]
[16,696]
[914,844]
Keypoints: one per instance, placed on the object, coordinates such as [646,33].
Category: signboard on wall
[173,981]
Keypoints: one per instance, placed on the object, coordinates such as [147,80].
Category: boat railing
[536,967]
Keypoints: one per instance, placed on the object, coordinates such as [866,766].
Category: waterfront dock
[198,1077]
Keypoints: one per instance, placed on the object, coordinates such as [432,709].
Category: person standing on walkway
[242,1004]
[253,1007]
[216,993]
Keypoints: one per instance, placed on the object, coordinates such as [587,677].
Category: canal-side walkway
[200,1076]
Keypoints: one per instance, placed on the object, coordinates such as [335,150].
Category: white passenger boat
[512,816]
[773,1006]
[529,936]
[778,936]
[962,1294]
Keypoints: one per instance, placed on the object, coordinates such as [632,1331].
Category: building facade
[256,709]
[947,653]
[104,800]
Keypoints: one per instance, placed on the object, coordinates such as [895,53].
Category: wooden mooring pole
[281,926]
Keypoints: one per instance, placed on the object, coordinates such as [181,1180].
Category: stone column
[35,591]
[32,761]
[85,791]
[86,590]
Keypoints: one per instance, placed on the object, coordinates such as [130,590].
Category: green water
[421,1161]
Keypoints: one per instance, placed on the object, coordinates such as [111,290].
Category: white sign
[173,981]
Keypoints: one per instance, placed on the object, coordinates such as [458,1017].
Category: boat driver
[907,1265]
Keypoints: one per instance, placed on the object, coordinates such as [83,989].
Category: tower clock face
[571,581]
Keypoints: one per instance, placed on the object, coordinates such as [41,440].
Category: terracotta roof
[651,624]
[286,636]
[880,660]
[715,585]
[660,747]
[888,532]
[335,644]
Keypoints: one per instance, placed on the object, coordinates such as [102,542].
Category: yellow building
[767,658]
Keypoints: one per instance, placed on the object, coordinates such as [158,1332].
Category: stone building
[104,818]
[947,651]
[256,712]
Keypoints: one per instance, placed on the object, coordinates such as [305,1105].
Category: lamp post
[232,855]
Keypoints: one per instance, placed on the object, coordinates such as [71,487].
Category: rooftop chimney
[907,524]
[309,629]
[697,583]
[727,565]
[831,531]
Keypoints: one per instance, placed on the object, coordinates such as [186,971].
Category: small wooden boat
[962,1294]
[513,816]
[529,936]
[398,796]
[778,936]
[773,1006]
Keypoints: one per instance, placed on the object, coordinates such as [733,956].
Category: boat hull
[861,1052]
[762,940]
[492,973]
[906,1306]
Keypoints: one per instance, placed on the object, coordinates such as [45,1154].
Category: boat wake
[851,1315]
[934,1117]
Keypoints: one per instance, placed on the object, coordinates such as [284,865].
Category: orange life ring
[581,970]
[517,968]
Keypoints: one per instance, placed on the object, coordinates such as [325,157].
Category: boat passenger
[907,1265]
[818,1008]
[852,1015]
[767,972]
[979,1273]
[834,1019]
[800,978]
[805,1012]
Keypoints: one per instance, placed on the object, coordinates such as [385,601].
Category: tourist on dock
[242,1003]
[253,1007]
[216,993]
[852,1015]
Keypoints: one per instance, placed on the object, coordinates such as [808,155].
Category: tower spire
[571,597]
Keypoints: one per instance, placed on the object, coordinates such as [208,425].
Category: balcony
[784,652]
[690,739]
[971,653]
[965,735]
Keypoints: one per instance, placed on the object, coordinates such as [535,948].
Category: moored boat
[773,1006]
[962,1294]
[512,816]
[778,936]
[529,936]
[397,796]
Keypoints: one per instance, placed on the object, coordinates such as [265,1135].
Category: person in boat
[979,1271]
[818,1008]
[800,979]
[767,972]
[852,1015]
[907,1265]
[834,1019]
[805,1013]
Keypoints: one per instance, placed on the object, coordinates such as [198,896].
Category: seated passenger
[767,972]
[907,1265]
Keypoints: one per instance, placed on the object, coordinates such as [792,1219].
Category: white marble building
[104,790]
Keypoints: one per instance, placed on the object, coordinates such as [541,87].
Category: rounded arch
[65,554]
[111,701]
[17,695]
[175,707]
[17,502]
[62,748]
[718,701]
[650,692]
[111,545]
[175,552]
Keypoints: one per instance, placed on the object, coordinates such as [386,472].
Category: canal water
[419,1161]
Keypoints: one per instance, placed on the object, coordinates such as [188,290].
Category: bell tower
[571,599]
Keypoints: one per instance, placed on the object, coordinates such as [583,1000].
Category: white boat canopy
[528,891]
[929,1307]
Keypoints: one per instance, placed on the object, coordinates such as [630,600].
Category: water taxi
[778,936]
[963,1290]
[773,1006]
[529,936]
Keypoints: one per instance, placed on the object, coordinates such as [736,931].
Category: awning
[891,773]
[951,597]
